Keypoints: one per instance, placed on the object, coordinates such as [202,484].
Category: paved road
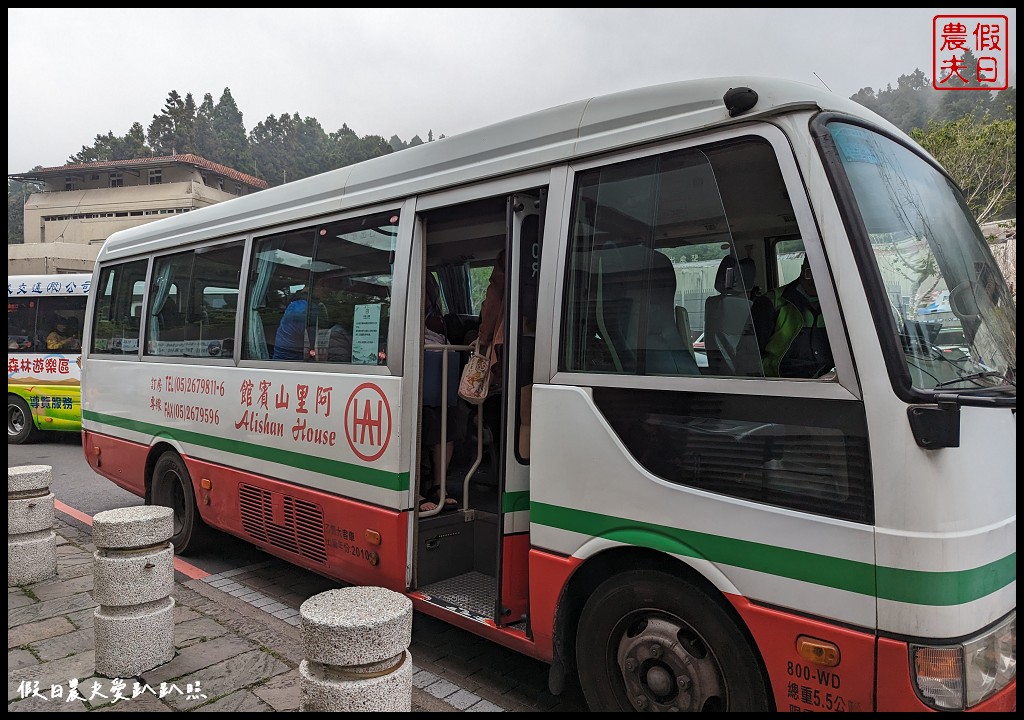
[271,586]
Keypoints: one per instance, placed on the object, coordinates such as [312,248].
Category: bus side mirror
[963,302]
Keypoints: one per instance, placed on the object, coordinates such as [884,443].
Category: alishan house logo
[957,38]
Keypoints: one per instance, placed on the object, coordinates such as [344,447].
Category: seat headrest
[735,276]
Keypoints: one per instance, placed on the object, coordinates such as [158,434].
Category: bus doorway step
[472,591]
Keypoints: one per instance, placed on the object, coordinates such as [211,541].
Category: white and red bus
[729,531]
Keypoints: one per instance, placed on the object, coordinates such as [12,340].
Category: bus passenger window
[347,266]
[115,327]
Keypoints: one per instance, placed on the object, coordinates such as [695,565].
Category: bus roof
[559,134]
[49,284]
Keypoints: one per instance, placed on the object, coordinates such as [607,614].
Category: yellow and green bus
[44,360]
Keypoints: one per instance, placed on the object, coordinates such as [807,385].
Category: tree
[981,156]
[956,104]
[173,131]
[907,106]
[17,194]
[289,148]
[1004,104]
[110,147]
[232,142]
[344,145]
[207,143]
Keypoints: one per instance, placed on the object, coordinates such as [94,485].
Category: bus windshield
[954,313]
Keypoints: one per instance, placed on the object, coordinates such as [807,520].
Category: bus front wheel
[651,642]
[21,427]
[172,487]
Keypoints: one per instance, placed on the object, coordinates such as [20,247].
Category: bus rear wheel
[172,487]
[20,426]
[651,642]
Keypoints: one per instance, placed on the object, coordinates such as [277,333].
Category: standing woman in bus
[492,341]
[492,318]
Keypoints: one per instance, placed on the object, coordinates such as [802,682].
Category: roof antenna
[821,81]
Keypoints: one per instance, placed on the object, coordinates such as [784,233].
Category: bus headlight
[958,677]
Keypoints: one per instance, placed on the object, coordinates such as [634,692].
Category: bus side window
[630,314]
[115,328]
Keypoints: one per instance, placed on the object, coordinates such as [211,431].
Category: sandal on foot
[433,497]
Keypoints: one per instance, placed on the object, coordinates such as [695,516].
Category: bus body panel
[54,406]
[549,576]
[800,685]
[601,493]
[306,428]
[965,575]
[316,530]
[322,532]
[117,459]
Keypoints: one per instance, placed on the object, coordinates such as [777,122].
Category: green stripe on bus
[515,501]
[334,468]
[918,587]
[946,588]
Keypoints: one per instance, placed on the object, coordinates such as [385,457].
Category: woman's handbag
[476,377]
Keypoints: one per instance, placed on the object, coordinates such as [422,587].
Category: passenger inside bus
[64,335]
[434,334]
[492,315]
[790,330]
[492,343]
[491,336]
[289,341]
[339,338]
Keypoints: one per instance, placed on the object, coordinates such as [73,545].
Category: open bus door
[525,219]
[475,561]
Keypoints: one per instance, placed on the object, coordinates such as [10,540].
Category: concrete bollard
[356,643]
[133,577]
[31,542]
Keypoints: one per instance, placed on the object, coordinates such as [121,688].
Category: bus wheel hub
[666,668]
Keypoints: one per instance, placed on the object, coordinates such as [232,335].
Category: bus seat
[683,326]
[614,314]
[169,316]
[727,321]
[633,331]
[669,352]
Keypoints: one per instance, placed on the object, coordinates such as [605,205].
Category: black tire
[651,642]
[21,428]
[172,487]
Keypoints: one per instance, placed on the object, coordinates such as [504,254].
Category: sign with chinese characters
[366,334]
[983,36]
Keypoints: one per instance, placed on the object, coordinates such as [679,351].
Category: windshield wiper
[974,376]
